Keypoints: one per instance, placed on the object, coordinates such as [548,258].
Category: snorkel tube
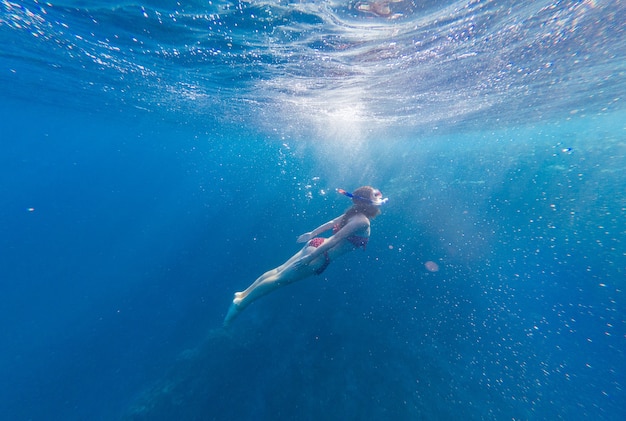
[379,201]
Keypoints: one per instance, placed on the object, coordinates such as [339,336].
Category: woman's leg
[269,281]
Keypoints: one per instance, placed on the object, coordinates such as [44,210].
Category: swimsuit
[356,240]
[316,242]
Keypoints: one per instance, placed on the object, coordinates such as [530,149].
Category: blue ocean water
[158,156]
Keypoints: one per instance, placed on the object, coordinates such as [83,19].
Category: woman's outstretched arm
[317,231]
[357,223]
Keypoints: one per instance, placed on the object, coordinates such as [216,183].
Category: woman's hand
[303,261]
[305,237]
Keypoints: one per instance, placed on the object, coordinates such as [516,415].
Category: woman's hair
[361,206]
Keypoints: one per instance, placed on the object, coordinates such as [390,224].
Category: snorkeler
[350,232]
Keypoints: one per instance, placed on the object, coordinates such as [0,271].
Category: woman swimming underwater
[350,232]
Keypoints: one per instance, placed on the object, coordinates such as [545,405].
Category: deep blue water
[158,156]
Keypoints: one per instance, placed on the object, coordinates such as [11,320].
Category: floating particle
[431,266]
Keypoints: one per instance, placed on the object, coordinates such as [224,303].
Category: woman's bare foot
[233,310]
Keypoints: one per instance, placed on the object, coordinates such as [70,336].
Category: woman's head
[367,200]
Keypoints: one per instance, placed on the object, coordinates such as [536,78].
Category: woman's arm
[356,223]
[324,227]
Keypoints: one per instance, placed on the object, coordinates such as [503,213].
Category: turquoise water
[158,156]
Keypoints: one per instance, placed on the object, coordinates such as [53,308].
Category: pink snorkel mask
[378,197]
